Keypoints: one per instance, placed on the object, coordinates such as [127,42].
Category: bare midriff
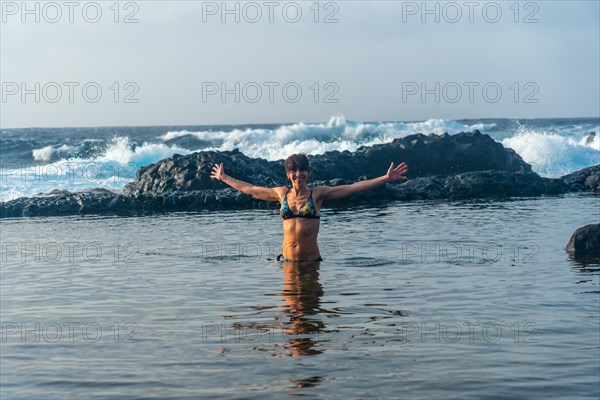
[300,239]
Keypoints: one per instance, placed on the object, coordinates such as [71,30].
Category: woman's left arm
[339,192]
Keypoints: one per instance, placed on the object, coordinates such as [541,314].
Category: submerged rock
[584,244]
[590,138]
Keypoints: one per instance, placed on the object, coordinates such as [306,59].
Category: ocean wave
[553,147]
[317,138]
[112,169]
[121,150]
[51,152]
[553,155]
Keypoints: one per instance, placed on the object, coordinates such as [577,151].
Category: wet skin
[300,234]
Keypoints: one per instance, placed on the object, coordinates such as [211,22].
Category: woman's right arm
[258,192]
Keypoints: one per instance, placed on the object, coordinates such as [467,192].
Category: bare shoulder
[318,191]
[281,191]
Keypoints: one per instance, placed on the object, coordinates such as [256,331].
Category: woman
[300,205]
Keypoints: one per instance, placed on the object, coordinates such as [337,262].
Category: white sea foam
[553,155]
[553,152]
[112,169]
[52,152]
[337,134]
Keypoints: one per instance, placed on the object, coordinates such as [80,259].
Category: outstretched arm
[259,192]
[339,192]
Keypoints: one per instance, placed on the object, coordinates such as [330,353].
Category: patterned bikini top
[308,209]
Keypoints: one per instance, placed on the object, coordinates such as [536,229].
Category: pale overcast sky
[371,65]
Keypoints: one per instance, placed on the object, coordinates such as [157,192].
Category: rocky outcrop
[462,166]
[192,172]
[425,154]
[584,244]
[479,184]
[64,202]
[587,179]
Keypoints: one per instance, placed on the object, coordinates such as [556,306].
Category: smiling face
[297,170]
[299,178]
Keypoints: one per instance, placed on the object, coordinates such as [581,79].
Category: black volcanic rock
[192,172]
[584,244]
[479,184]
[443,155]
[63,202]
[461,166]
[584,180]
[425,154]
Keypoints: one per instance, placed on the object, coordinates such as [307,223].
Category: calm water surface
[414,301]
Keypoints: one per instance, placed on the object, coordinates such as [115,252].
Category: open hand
[394,174]
[218,172]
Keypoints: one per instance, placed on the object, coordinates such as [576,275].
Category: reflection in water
[302,293]
[590,270]
[306,382]
[300,328]
[299,332]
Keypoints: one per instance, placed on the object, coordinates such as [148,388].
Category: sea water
[463,300]
[35,160]
[430,299]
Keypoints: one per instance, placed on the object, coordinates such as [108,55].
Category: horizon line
[287,123]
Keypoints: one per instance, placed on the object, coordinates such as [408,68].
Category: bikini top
[308,209]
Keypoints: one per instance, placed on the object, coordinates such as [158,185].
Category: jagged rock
[481,184]
[192,172]
[462,166]
[425,154]
[584,244]
[584,179]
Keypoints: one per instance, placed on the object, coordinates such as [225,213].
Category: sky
[108,63]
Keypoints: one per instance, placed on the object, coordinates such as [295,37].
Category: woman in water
[300,205]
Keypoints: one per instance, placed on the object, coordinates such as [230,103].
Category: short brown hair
[297,162]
